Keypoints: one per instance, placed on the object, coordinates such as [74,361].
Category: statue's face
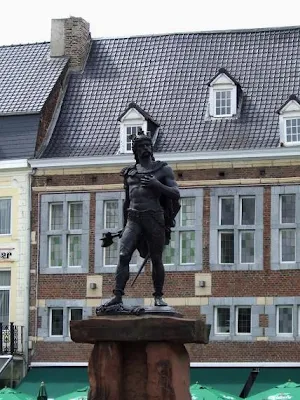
[144,149]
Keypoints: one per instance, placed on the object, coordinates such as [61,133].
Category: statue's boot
[117,299]
[158,301]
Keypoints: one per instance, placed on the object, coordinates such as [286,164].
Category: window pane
[223,102]
[292,130]
[288,245]
[223,320]
[5,216]
[55,250]
[111,214]
[248,210]
[75,314]
[247,247]
[110,254]
[56,216]
[169,251]
[131,131]
[244,320]
[285,320]
[187,212]
[4,307]
[75,221]
[5,278]
[288,208]
[187,246]
[227,211]
[227,247]
[57,322]
[74,255]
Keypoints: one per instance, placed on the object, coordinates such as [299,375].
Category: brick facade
[260,285]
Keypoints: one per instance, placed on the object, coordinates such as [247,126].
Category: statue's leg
[156,241]
[128,244]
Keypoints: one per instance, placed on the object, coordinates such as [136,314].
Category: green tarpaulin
[58,380]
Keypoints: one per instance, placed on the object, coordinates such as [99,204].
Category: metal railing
[11,339]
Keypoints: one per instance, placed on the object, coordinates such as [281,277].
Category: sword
[141,268]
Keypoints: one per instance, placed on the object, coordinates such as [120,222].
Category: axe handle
[141,267]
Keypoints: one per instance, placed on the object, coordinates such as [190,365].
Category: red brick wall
[178,284]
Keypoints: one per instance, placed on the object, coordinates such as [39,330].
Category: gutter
[13,164]
[251,364]
[176,157]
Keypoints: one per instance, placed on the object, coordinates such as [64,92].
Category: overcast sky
[29,21]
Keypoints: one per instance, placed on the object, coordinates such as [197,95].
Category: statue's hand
[150,181]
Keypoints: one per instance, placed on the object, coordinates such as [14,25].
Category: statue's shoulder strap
[125,171]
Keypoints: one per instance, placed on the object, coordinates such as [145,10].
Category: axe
[108,238]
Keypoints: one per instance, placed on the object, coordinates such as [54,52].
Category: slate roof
[167,76]
[27,76]
[18,135]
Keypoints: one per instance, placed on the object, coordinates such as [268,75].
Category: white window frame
[132,118]
[69,316]
[216,321]
[237,308]
[289,334]
[8,289]
[222,83]
[64,232]
[290,111]
[285,130]
[10,217]
[50,321]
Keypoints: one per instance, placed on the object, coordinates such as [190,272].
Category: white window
[233,227]
[56,322]
[289,122]
[75,314]
[284,320]
[184,234]
[292,130]
[5,216]
[222,320]
[287,230]
[222,102]
[113,222]
[59,320]
[58,235]
[4,297]
[243,320]
[222,96]
[130,122]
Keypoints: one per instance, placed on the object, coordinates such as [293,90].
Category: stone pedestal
[139,357]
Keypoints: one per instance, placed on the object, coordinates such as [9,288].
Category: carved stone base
[151,371]
[139,357]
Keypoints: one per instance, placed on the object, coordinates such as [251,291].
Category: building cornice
[176,157]
[13,164]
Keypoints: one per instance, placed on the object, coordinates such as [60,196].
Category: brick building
[223,110]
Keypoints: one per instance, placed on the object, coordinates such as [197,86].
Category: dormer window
[131,120]
[223,95]
[289,122]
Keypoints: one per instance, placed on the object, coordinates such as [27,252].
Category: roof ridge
[22,44]
[217,31]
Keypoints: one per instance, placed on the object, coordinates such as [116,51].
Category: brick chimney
[71,37]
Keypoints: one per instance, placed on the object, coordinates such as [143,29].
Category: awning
[267,378]
[58,380]
[226,379]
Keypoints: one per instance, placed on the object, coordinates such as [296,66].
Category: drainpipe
[249,383]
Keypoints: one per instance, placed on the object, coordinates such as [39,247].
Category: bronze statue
[150,207]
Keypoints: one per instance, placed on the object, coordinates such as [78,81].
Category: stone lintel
[139,329]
